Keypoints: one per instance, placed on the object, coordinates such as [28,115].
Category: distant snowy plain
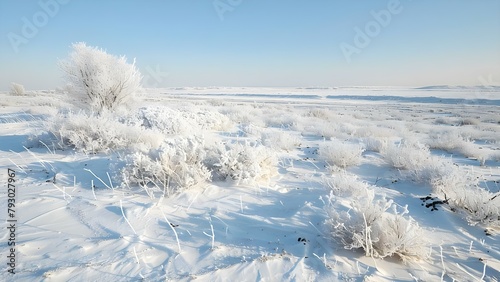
[78,221]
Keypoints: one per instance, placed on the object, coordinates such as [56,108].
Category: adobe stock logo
[154,77]
[372,29]
[30,27]
[223,6]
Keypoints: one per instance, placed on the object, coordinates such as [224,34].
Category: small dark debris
[426,198]
[174,225]
[434,204]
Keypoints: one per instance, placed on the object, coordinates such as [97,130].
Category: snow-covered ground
[299,163]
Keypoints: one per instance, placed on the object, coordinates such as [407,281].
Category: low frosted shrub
[335,130]
[346,185]
[452,141]
[375,144]
[243,163]
[368,225]
[177,164]
[250,130]
[455,185]
[284,121]
[280,140]
[462,192]
[100,133]
[182,121]
[375,131]
[319,113]
[341,154]
[412,156]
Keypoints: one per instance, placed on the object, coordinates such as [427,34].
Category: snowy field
[256,184]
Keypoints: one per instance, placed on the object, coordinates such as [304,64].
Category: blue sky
[259,42]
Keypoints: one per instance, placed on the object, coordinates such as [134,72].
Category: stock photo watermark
[223,6]
[364,36]
[154,77]
[31,25]
[488,84]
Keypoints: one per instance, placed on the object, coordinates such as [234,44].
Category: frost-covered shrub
[280,140]
[481,206]
[375,144]
[243,113]
[319,113]
[177,164]
[243,163]
[249,129]
[341,154]
[346,185]
[102,80]
[462,192]
[91,133]
[374,131]
[180,121]
[335,130]
[407,155]
[452,141]
[469,121]
[368,225]
[284,121]
[456,186]
[16,89]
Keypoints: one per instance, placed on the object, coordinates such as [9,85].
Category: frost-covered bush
[360,219]
[286,120]
[243,113]
[250,130]
[375,144]
[341,154]
[412,156]
[452,141]
[280,140]
[102,80]
[334,130]
[453,184]
[91,133]
[177,164]
[368,225]
[16,89]
[469,121]
[346,185]
[181,121]
[243,163]
[319,113]
[462,192]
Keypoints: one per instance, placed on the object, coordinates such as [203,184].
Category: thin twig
[123,213]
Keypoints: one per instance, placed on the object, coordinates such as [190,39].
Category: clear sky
[259,42]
